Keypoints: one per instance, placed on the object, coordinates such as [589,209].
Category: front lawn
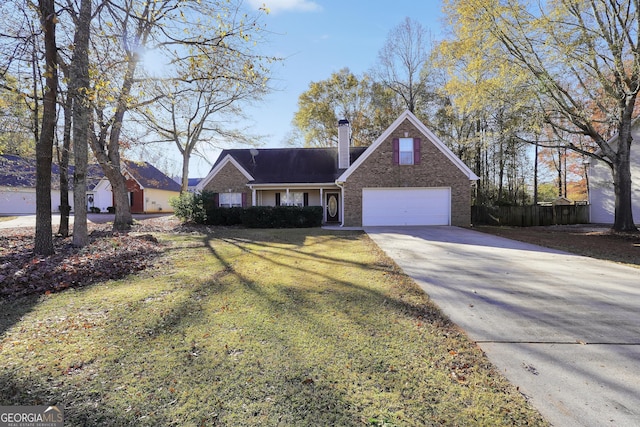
[252,327]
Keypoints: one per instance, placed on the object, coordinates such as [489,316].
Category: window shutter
[305,198]
[244,200]
[416,151]
[277,199]
[216,200]
[396,151]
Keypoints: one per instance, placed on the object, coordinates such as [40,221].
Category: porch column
[254,195]
[288,197]
[324,209]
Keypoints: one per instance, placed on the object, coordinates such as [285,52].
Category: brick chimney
[343,143]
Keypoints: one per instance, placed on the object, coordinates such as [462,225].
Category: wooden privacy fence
[528,216]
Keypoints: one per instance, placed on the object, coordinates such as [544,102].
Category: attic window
[406,151]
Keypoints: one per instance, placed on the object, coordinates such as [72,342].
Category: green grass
[253,327]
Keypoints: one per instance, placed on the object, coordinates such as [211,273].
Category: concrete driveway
[563,328]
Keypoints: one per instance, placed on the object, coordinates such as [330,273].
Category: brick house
[406,177]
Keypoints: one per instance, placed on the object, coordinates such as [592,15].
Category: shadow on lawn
[426,312]
[312,400]
[28,393]
[11,312]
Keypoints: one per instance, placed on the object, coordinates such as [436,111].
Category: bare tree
[200,114]
[401,60]
[199,41]
[199,100]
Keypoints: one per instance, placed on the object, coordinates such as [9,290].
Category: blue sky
[318,38]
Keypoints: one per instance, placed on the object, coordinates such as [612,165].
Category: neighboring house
[149,189]
[601,193]
[18,184]
[192,183]
[406,177]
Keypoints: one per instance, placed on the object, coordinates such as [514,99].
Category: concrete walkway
[563,328]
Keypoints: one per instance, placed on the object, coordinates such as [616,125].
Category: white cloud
[276,6]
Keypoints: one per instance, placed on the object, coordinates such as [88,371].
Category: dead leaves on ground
[108,256]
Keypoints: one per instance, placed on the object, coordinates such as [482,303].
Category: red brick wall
[230,180]
[434,170]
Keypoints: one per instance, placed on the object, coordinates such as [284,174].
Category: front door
[333,207]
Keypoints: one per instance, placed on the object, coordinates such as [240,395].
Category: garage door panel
[406,206]
[18,202]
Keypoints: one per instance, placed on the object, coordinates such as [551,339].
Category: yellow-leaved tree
[582,60]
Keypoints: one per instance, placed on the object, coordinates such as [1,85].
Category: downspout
[341,185]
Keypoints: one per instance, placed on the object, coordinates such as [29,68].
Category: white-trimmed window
[406,151]
[230,200]
[295,199]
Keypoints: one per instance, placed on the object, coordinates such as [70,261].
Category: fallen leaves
[108,255]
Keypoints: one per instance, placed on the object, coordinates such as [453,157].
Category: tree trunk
[559,169]
[184,187]
[81,122]
[535,175]
[44,148]
[501,172]
[623,220]
[621,165]
[123,219]
[622,187]
[63,160]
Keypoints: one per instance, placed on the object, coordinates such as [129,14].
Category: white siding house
[150,189]
[601,195]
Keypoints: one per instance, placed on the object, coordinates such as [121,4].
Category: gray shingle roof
[16,171]
[148,176]
[290,165]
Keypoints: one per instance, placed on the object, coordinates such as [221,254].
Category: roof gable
[224,159]
[149,177]
[431,137]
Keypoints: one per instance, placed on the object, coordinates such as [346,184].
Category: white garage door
[406,206]
[17,201]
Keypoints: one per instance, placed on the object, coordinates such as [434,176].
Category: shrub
[223,216]
[282,217]
[111,209]
[190,207]
[94,209]
[200,208]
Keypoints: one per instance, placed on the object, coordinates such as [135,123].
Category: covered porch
[328,195]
